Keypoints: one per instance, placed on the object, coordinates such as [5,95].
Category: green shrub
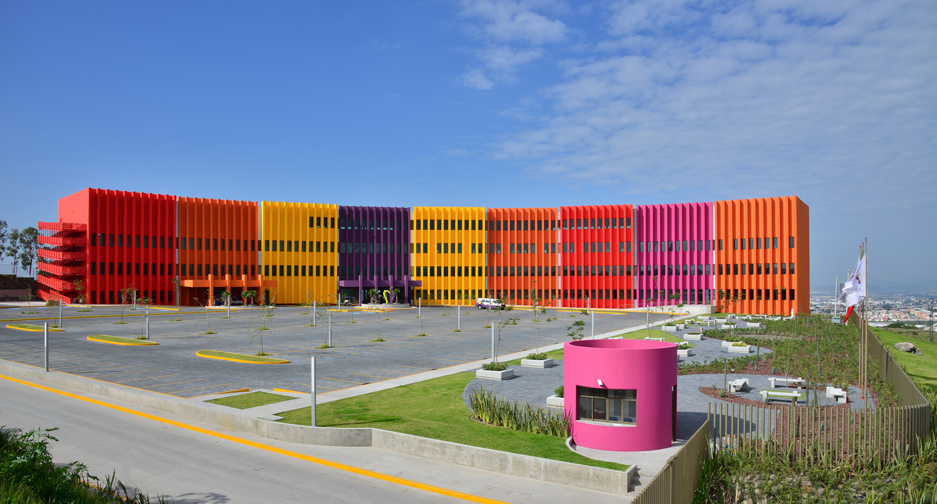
[537,356]
[493,410]
[494,366]
[558,391]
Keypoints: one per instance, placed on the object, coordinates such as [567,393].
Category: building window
[606,405]
[791,269]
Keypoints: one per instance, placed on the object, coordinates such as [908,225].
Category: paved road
[190,467]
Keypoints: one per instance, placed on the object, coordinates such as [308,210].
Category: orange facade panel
[522,255]
[762,256]
[217,239]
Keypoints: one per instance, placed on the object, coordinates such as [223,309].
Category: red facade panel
[130,243]
[595,262]
[522,255]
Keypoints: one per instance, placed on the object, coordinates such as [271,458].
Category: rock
[905,347]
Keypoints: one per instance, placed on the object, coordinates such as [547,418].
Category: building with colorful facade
[750,256]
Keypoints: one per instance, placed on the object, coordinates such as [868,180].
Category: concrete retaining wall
[524,466]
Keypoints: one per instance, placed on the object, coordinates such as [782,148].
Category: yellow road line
[149,378]
[336,379]
[370,376]
[317,386]
[271,449]
[180,381]
[413,367]
[207,386]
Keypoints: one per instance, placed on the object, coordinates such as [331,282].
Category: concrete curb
[524,466]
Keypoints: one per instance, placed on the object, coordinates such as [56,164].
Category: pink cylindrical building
[621,395]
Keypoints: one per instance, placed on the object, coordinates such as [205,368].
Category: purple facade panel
[674,254]
[374,250]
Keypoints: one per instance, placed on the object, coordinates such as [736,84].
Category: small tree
[535,300]
[29,241]
[175,287]
[495,365]
[80,287]
[248,295]
[13,247]
[226,299]
[574,331]
[257,328]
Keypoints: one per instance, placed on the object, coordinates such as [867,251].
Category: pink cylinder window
[621,395]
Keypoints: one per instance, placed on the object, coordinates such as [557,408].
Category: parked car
[235,301]
[485,303]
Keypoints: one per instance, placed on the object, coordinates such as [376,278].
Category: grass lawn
[237,357]
[117,340]
[251,400]
[920,368]
[434,409]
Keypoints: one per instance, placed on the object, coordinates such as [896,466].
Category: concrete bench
[739,385]
[654,339]
[787,382]
[780,394]
[693,336]
[727,344]
[670,328]
[837,394]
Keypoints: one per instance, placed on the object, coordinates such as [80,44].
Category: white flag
[854,290]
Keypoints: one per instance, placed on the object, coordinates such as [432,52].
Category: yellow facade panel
[449,254]
[299,250]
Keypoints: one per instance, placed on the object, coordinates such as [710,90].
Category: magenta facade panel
[674,254]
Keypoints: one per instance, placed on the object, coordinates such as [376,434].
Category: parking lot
[172,367]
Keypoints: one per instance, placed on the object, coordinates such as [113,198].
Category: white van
[485,303]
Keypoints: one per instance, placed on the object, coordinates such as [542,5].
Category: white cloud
[513,33]
[475,79]
[509,21]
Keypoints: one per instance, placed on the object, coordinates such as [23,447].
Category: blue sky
[488,103]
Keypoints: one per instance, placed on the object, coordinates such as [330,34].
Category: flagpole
[865,308]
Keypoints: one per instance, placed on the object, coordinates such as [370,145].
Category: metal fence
[819,433]
[908,393]
[677,481]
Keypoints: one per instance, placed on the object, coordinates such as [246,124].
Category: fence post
[45,344]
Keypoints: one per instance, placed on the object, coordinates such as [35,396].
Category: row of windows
[590,247]
[696,296]
[448,224]
[756,243]
[446,294]
[599,270]
[620,223]
[527,225]
[750,269]
[131,240]
[445,271]
[732,295]
[232,269]
[367,271]
[522,248]
[674,270]
[371,224]
[522,271]
[367,248]
[295,245]
[98,268]
[317,222]
[675,246]
[291,270]
[212,244]
[447,248]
